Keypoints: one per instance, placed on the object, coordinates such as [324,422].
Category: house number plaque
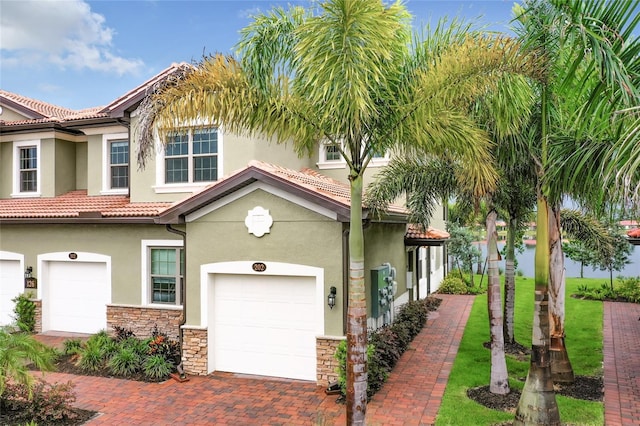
[259,267]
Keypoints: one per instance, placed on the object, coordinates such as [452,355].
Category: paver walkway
[621,330]
[411,396]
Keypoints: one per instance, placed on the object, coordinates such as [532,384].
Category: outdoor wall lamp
[28,271]
[331,298]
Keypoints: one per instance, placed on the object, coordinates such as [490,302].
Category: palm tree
[499,375]
[347,73]
[581,47]
[16,351]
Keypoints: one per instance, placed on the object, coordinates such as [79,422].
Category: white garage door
[264,325]
[11,285]
[77,296]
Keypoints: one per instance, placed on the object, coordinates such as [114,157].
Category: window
[166,272]
[115,164]
[119,163]
[330,158]
[26,169]
[332,153]
[191,156]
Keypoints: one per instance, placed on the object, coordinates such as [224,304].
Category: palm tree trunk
[561,369]
[510,283]
[356,313]
[537,404]
[499,383]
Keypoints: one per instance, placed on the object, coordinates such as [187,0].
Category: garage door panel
[265,325]
[77,296]
[11,285]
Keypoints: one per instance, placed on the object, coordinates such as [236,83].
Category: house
[232,245]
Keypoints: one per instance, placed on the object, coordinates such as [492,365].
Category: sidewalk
[411,396]
[621,332]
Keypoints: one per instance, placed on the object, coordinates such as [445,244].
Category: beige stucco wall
[298,236]
[6,169]
[236,153]
[94,159]
[81,165]
[65,166]
[121,242]
[384,243]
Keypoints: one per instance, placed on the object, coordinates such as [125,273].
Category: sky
[81,54]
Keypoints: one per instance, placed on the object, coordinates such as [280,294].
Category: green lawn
[472,365]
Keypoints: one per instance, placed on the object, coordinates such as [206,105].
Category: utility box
[381,291]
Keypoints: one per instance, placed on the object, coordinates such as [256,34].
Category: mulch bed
[16,418]
[584,387]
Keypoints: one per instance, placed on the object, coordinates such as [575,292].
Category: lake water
[526,264]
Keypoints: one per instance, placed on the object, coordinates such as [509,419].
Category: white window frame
[106,164]
[161,187]
[17,193]
[325,164]
[146,247]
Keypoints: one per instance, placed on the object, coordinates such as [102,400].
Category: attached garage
[75,292]
[11,284]
[264,324]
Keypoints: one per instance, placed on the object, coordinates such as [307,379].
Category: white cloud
[64,33]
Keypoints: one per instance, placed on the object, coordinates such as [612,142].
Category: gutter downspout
[183,295]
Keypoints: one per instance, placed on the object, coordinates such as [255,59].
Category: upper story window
[115,166]
[190,159]
[29,169]
[119,163]
[330,157]
[26,169]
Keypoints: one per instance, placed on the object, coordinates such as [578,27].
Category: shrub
[91,356]
[157,367]
[629,288]
[160,344]
[414,314]
[453,285]
[122,333]
[125,362]
[387,344]
[72,346]
[25,311]
[49,403]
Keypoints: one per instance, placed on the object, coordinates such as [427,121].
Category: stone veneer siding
[326,362]
[195,351]
[195,355]
[38,314]
[142,321]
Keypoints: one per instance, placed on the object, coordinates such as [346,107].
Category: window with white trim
[119,164]
[330,158]
[166,271]
[191,156]
[26,167]
[115,164]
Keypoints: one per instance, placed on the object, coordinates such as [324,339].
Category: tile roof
[42,112]
[139,92]
[75,204]
[311,179]
[634,233]
[42,108]
[417,232]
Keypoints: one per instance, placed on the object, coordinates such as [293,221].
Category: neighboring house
[230,244]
